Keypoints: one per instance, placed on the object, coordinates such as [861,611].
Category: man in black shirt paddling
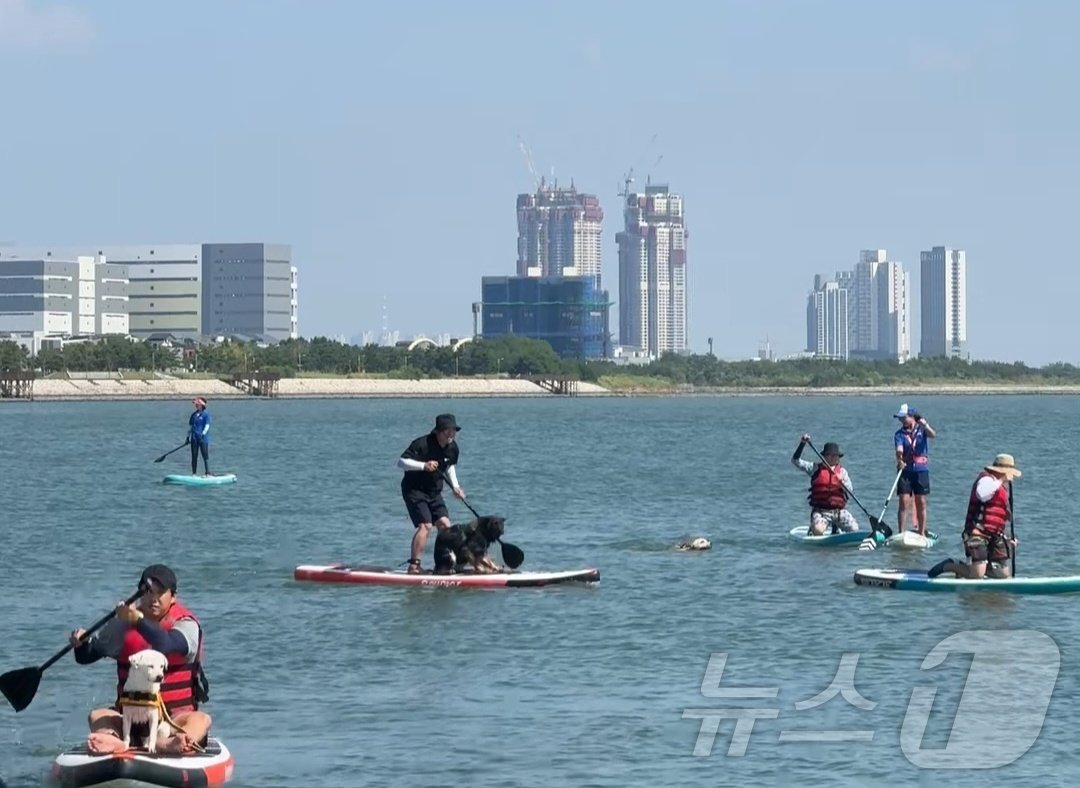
[424,463]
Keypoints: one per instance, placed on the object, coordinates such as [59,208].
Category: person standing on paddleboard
[424,462]
[912,449]
[989,511]
[199,436]
[829,485]
[159,621]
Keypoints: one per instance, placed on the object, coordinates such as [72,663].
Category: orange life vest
[178,689]
[826,489]
[989,517]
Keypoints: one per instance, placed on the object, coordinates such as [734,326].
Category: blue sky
[382,143]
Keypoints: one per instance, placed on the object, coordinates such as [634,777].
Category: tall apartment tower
[827,320]
[879,320]
[652,272]
[943,285]
[559,229]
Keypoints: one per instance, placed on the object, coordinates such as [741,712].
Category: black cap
[830,448]
[446,421]
[162,574]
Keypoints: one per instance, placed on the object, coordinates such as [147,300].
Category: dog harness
[180,687]
[152,700]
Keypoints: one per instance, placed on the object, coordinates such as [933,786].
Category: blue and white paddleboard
[801,534]
[199,481]
[916,580]
[911,540]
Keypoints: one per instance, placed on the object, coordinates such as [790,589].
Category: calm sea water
[344,686]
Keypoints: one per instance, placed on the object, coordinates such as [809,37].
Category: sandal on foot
[414,566]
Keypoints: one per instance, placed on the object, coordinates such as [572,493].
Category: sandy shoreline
[357,388]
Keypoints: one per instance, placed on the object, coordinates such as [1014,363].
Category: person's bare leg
[195,727]
[106,732]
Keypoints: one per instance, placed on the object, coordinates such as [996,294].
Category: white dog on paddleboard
[140,701]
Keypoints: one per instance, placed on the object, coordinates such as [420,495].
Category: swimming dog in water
[466,545]
[699,543]
[140,700]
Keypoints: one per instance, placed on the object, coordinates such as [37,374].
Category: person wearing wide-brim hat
[829,486]
[986,544]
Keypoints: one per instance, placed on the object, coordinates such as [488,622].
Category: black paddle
[20,686]
[513,556]
[875,523]
[1012,530]
[178,448]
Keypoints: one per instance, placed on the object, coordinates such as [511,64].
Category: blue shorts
[914,482]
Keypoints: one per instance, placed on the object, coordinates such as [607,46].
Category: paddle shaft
[1012,530]
[178,448]
[476,514]
[849,492]
[93,628]
[892,492]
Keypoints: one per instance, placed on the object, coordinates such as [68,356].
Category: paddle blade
[163,456]
[20,686]
[513,556]
[878,525]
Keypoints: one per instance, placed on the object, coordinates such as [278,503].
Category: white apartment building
[879,310]
[653,315]
[827,332]
[943,307]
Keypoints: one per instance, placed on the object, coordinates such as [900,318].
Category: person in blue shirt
[199,436]
[912,450]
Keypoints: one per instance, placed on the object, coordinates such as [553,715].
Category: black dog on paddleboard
[462,546]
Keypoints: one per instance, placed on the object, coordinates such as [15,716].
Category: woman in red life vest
[161,622]
[988,515]
[829,485]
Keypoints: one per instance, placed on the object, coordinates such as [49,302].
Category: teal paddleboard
[199,481]
[801,534]
[917,580]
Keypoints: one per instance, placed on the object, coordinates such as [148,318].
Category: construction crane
[628,178]
[529,161]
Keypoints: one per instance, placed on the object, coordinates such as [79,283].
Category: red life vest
[826,489]
[989,517]
[178,687]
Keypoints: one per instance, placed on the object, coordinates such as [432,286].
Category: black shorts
[424,507]
[913,482]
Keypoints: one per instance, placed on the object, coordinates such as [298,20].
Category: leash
[155,702]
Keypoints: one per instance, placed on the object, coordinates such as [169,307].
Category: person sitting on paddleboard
[912,447]
[989,511]
[828,490]
[199,436]
[424,462]
[158,621]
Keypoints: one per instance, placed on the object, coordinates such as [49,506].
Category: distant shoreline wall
[360,388]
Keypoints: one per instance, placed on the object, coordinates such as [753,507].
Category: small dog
[699,543]
[140,701]
[462,545]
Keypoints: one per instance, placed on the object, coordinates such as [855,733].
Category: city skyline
[284,148]
[866,313]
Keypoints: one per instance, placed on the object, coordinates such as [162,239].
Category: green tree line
[516,356]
